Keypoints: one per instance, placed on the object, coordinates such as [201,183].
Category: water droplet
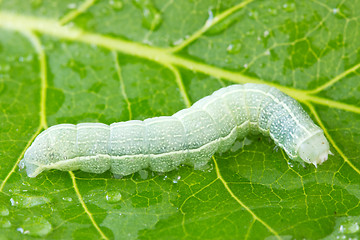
[29,58]
[71,5]
[211,167]
[266,33]
[272,11]
[177,179]
[49,46]
[234,46]
[177,42]
[113,196]
[151,16]
[335,10]
[253,14]
[116,4]
[4,211]
[28,201]
[349,227]
[225,24]
[35,226]
[68,199]
[250,32]
[5,223]
[289,6]
[210,18]
[346,228]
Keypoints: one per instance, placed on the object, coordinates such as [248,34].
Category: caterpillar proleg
[190,136]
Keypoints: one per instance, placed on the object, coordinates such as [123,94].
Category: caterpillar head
[33,157]
[314,150]
[53,145]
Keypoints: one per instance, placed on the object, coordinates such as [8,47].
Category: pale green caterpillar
[190,136]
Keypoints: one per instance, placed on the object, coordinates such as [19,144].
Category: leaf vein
[255,217]
[81,200]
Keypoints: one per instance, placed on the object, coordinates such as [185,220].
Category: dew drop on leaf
[266,33]
[151,17]
[35,226]
[272,11]
[234,47]
[178,41]
[4,211]
[289,7]
[210,18]
[26,201]
[68,199]
[5,223]
[116,4]
[345,228]
[71,5]
[224,24]
[349,227]
[176,179]
[113,196]
[253,14]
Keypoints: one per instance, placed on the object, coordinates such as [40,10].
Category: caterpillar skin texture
[190,136]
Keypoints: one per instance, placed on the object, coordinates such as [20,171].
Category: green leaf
[115,60]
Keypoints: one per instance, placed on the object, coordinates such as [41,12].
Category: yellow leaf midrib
[161,55]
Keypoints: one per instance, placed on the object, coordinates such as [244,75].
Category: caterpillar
[190,136]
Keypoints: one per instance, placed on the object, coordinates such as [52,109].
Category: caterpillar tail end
[315,150]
